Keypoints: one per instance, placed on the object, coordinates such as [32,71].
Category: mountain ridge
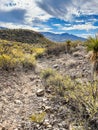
[61,37]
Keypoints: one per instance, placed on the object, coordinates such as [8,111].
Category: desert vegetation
[58,94]
[15,54]
[25,36]
[92,46]
[83,97]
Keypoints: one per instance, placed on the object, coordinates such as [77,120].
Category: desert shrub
[29,61]
[57,84]
[53,80]
[77,43]
[82,102]
[16,54]
[68,46]
[81,99]
[38,117]
[5,61]
[38,52]
[56,49]
[45,74]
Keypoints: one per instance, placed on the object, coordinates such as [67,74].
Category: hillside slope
[23,35]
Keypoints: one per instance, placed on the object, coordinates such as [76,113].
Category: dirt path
[75,65]
[18,98]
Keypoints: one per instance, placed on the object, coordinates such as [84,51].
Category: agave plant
[92,45]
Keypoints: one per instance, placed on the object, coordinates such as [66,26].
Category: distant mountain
[2,27]
[62,37]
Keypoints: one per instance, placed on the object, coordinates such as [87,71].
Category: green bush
[16,54]
[29,62]
[92,44]
[45,74]
[38,117]
[82,99]
[56,49]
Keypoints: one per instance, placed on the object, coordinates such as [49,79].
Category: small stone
[48,91]
[16,129]
[1,127]
[37,125]
[18,102]
[47,124]
[32,78]
[55,66]
[77,54]
[94,122]
[11,128]
[44,99]
[40,92]
[48,109]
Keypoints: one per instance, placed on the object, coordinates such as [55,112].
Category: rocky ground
[22,93]
[76,65]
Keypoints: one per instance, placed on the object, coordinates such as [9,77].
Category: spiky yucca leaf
[92,44]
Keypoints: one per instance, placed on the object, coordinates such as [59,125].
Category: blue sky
[78,17]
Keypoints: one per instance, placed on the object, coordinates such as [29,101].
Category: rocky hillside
[22,35]
[56,94]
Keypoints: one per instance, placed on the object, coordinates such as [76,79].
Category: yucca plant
[92,45]
[68,46]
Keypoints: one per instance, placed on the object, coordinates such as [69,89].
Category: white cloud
[38,11]
[86,35]
[87,27]
[57,25]
[89,7]
[69,8]
[32,10]
[45,9]
[18,26]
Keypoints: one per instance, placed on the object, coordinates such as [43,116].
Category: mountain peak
[62,37]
